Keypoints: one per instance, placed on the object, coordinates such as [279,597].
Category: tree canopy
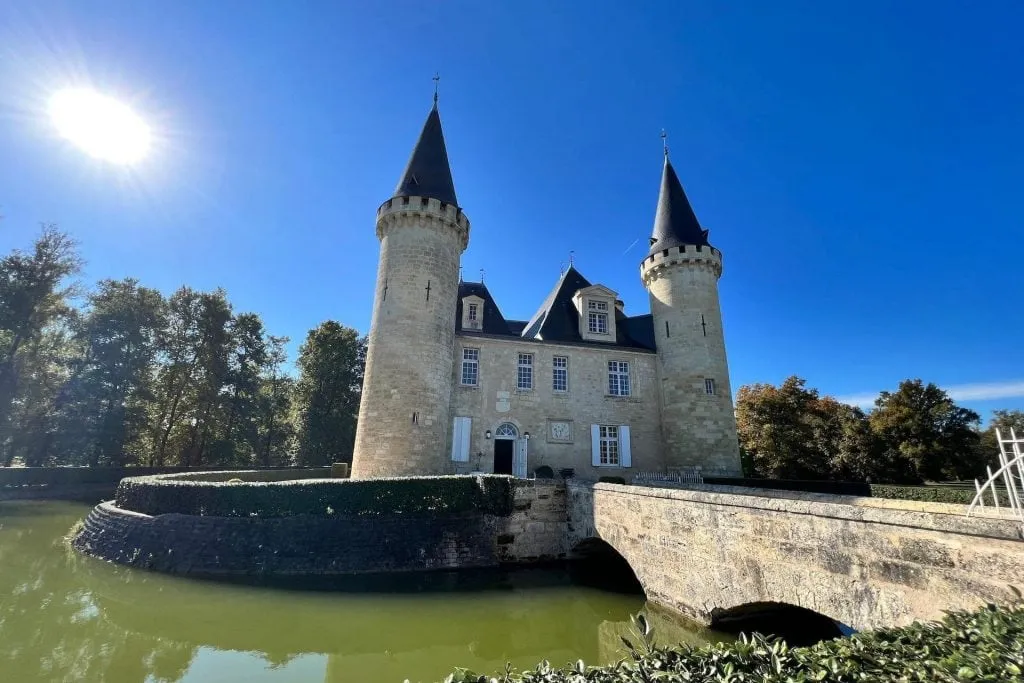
[915,433]
[121,374]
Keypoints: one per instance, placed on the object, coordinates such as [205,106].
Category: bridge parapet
[864,562]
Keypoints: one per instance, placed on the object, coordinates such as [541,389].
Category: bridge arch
[596,562]
[796,625]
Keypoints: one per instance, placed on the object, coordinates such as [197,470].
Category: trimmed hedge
[986,645]
[75,476]
[183,494]
[935,494]
[839,488]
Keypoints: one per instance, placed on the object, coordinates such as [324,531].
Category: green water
[64,617]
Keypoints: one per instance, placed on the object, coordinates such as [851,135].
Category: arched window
[506,430]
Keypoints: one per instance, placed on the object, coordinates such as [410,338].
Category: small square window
[524,374]
[709,386]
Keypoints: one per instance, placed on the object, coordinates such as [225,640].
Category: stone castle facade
[452,386]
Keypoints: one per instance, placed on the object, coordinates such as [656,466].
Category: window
[609,445]
[618,378]
[709,387]
[470,367]
[472,313]
[560,373]
[597,318]
[524,378]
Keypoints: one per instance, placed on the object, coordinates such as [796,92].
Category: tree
[331,365]
[276,431]
[780,429]
[34,297]
[113,382]
[988,446]
[924,434]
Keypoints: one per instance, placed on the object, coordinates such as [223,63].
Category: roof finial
[460,275]
[481,276]
[572,258]
[436,79]
[664,142]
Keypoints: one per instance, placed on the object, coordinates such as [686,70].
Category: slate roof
[428,174]
[557,319]
[674,220]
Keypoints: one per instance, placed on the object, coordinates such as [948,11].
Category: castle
[452,386]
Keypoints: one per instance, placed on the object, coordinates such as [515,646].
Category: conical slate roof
[427,174]
[674,222]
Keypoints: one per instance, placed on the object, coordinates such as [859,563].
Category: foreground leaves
[986,645]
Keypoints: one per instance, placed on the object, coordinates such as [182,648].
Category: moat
[67,617]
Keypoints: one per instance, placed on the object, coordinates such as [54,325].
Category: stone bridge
[716,551]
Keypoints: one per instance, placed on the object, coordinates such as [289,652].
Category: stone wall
[496,400]
[860,561]
[302,544]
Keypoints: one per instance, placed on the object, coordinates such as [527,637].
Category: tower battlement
[700,255]
[423,212]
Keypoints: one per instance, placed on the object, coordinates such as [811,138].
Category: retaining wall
[341,544]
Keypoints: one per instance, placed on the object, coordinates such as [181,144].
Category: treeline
[914,434]
[119,374]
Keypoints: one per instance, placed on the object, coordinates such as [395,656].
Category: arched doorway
[506,440]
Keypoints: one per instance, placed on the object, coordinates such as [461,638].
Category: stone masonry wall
[706,551]
[496,400]
[303,544]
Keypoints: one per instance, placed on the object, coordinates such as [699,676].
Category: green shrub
[935,494]
[611,480]
[183,494]
[986,645]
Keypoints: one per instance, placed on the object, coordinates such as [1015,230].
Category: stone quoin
[452,386]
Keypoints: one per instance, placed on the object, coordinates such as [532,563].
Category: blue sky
[859,164]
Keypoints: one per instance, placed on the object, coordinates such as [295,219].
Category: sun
[100,125]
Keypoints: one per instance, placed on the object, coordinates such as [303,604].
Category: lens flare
[99,125]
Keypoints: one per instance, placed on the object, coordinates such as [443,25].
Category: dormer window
[596,307]
[472,312]
[597,317]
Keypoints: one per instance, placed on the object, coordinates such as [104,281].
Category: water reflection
[64,617]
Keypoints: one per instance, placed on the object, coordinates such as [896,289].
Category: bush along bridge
[711,552]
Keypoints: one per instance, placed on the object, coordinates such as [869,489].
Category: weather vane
[572,258]
[481,276]
[664,141]
[436,79]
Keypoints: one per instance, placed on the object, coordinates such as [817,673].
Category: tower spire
[674,220]
[428,174]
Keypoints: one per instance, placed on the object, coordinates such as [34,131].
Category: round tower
[407,388]
[680,273]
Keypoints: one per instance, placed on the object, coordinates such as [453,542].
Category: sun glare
[100,125]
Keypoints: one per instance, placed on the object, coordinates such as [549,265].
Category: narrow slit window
[709,386]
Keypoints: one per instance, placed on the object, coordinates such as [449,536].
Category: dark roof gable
[493,321]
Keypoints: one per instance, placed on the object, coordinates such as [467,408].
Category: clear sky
[859,164]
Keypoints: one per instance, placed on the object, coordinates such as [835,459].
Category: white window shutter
[595,445]
[466,431]
[460,439]
[625,457]
[456,438]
